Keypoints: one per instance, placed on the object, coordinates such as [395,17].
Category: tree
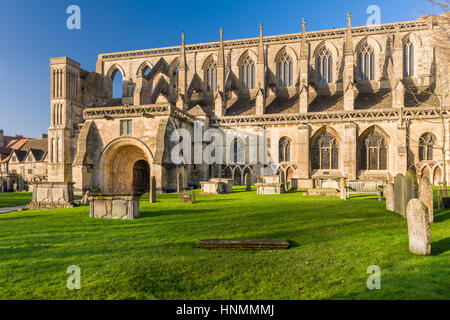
[437,95]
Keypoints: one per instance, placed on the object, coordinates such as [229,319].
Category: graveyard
[332,243]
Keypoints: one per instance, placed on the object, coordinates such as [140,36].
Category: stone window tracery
[325,66]
[366,63]
[248,73]
[211,74]
[426,143]
[285,71]
[325,152]
[285,150]
[408,59]
[373,148]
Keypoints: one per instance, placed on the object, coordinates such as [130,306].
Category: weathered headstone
[152,194]
[411,186]
[248,182]
[342,189]
[390,197]
[187,197]
[180,187]
[84,200]
[426,196]
[418,227]
[399,195]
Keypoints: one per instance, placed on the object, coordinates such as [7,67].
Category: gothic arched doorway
[125,167]
[141,177]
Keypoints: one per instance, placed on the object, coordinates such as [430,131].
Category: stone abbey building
[353,102]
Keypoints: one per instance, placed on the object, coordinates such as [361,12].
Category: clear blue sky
[33,31]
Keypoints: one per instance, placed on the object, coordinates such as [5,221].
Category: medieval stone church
[355,102]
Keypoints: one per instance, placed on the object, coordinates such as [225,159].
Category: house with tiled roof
[23,160]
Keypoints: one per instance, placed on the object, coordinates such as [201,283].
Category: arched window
[366,63]
[285,71]
[211,77]
[248,73]
[426,143]
[325,152]
[238,152]
[175,78]
[285,150]
[117,82]
[373,150]
[408,59]
[325,66]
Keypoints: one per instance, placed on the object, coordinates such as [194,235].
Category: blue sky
[33,31]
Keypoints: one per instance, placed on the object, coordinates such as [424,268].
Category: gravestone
[84,200]
[400,195]
[342,189]
[426,196]
[411,186]
[187,197]
[152,194]
[180,187]
[418,227]
[248,182]
[390,197]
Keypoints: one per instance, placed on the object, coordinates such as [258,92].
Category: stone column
[348,73]
[350,148]
[303,151]
[152,194]
[303,71]
[398,90]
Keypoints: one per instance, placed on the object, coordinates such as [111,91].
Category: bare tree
[436,96]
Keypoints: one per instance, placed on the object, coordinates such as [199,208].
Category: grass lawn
[155,257]
[13,199]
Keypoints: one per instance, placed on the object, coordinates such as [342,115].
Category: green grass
[8,199]
[155,257]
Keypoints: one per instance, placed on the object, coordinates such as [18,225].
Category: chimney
[2,141]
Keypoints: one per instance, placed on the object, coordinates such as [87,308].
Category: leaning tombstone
[390,197]
[152,194]
[418,227]
[426,196]
[399,195]
[248,182]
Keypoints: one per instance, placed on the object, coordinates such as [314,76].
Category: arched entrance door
[125,167]
[141,177]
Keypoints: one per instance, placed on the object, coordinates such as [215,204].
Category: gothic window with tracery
[325,66]
[285,71]
[285,149]
[426,143]
[366,62]
[408,59]
[211,73]
[248,73]
[325,152]
[373,150]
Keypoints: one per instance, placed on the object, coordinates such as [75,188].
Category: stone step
[243,244]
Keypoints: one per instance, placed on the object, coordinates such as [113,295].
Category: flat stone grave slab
[322,192]
[243,244]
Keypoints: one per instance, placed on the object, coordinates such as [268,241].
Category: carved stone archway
[118,164]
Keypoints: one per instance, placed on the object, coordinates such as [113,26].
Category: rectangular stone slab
[243,244]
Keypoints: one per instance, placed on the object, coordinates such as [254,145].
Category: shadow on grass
[440,246]
[192,210]
[441,216]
